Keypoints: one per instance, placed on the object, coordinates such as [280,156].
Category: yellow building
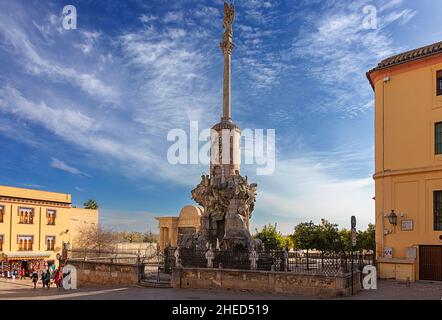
[408,164]
[172,229]
[34,225]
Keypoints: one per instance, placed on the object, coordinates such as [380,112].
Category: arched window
[51,215]
[26,215]
[2,213]
[50,243]
[25,243]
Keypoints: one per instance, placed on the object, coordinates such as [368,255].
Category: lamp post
[392,218]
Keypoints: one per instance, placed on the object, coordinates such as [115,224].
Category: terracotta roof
[415,54]
[411,55]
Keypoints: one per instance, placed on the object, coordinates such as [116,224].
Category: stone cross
[253,257]
[176,254]
[278,264]
[210,256]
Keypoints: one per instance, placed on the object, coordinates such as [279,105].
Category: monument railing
[305,262]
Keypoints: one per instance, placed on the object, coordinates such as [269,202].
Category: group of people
[47,277]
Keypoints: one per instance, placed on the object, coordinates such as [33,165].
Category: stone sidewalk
[23,289]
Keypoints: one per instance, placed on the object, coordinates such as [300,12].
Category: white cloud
[302,189]
[35,63]
[58,164]
[339,50]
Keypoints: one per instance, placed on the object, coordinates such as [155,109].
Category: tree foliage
[136,236]
[270,237]
[91,204]
[327,237]
[95,237]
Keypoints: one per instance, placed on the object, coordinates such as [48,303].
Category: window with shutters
[437,207]
[439,83]
[438,138]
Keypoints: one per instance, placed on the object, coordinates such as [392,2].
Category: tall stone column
[227,113]
[227,47]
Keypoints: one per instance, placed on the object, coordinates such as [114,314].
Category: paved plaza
[23,289]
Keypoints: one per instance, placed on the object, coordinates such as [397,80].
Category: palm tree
[91,204]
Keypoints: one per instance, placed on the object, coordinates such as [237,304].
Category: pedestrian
[58,277]
[34,278]
[43,278]
[48,279]
[22,274]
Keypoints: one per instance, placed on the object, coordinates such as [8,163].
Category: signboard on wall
[353,231]
[407,225]
[388,252]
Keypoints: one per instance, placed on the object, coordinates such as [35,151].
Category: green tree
[306,236]
[345,240]
[91,204]
[328,236]
[270,237]
[288,242]
[366,239]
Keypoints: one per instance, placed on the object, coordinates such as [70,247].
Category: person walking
[48,279]
[34,278]
[43,278]
[58,277]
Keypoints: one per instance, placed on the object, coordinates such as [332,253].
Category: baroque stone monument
[226,196]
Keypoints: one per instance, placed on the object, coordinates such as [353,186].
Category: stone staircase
[151,280]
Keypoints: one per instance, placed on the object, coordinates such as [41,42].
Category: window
[2,213]
[25,243]
[1,242]
[50,215]
[439,83]
[50,243]
[437,207]
[26,215]
[438,138]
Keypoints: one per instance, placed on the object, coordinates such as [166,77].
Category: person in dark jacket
[43,278]
[48,279]
[34,278]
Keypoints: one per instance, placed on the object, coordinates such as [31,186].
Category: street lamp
[392,218]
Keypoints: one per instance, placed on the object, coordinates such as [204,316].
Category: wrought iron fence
[294,261]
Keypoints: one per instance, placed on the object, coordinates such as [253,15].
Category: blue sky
[87,111]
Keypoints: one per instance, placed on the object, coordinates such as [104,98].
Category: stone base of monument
[327,286]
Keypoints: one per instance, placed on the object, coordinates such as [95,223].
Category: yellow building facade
[35,224]
[408,164]
[172,229]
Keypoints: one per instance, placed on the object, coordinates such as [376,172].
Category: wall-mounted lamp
[392,218]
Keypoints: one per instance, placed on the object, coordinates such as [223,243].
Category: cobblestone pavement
[23,289]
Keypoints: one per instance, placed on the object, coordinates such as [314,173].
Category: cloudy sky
[87,111]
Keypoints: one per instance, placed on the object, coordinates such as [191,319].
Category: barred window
[439,83]
[50,216]
[437,210]
[2,213]
[438,138]
[50,243]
